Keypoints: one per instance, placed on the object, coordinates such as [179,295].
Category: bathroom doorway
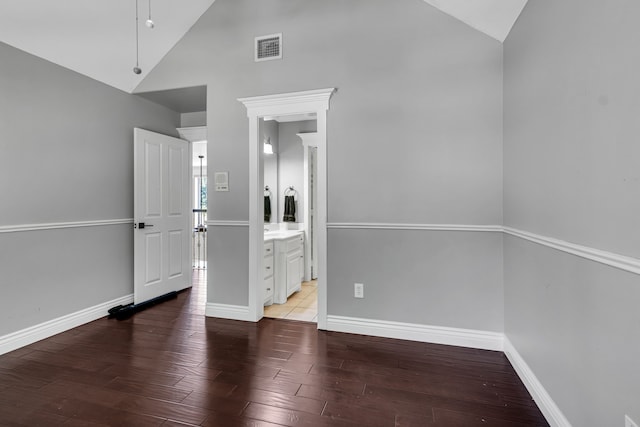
[290,166]
[289,104]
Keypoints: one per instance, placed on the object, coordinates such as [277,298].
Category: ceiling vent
[268,47]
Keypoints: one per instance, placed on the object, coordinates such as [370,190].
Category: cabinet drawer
[268,266]
[268,249]
[268,288]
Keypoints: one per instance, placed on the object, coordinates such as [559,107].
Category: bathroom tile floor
[302,305]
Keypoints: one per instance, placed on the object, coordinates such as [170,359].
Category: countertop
[281,234]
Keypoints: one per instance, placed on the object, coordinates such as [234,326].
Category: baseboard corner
[543,399]
[228,311]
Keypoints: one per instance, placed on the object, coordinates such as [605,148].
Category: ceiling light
[150,23]
[268,148]
[137,69]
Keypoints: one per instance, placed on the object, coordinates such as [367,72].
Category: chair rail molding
[224,223]
[622,262]
[59,225]
[611,259]
[399,226]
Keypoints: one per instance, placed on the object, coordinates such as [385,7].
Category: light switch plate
[358,290]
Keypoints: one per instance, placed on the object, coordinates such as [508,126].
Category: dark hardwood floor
[171,366]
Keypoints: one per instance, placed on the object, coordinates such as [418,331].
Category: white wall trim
[58,225]
[416,332]
[285,104]
[431,227]
[227,311]
[193,133]
[288,104]
[47,329]
[611,259]
[220,223]
[549,409]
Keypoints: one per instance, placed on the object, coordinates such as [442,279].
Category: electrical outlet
[358,291]
[628,422]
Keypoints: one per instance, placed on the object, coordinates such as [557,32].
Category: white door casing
[162,196]
[313,101]
[310,170]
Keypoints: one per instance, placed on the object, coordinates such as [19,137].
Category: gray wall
[66,144]
[198,118]
[571,172]
[433,278]
[415,129]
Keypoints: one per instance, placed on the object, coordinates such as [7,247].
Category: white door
[162,250]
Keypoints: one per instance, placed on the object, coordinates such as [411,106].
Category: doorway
[309,102]
[289,198]
[190,104]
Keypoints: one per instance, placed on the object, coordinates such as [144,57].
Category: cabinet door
[301,266]
[293,272]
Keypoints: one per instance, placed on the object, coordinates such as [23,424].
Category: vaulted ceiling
[97,37]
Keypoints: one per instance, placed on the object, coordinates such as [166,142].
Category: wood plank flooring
[171,366]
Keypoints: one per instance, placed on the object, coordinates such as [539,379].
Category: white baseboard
[416,332]
[547,406]
[227,311]
[50,328]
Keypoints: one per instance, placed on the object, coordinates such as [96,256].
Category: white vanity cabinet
[289,268]
[268,272]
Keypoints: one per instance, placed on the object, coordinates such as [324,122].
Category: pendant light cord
[137,41]
[149,10]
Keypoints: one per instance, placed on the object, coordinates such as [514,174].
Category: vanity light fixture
[268,148]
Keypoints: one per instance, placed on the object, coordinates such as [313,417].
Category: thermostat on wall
[222,181]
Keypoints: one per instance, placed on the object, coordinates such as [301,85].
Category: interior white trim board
[622,262]
[286,104]
[47,329]
[220,223]
[228,311]
[396,226]
[549,409]
[58,225]
[485,340]
[611,259]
